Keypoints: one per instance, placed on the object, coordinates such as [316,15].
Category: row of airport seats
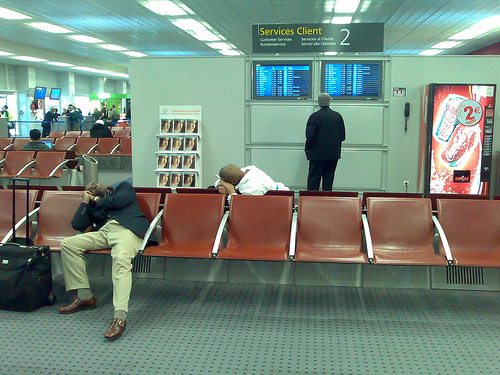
[81,146]
[393,231]
[118,132]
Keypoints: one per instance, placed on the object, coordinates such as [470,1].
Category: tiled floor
[220,328]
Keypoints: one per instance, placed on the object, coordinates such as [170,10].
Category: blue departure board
[282,81]
[352,80]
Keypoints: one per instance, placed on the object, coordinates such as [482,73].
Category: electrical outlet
[406,183]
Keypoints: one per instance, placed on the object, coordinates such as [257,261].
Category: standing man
[50,116]
[117,223]
[325,133]
[74,118]
[10,121]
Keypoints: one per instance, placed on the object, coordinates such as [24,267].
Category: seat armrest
[150,230]
[293,237]
[60,165]
[218,237]
[25,167]
[368,238]
[92,149]
[115,149]
[19,224]
[443,239]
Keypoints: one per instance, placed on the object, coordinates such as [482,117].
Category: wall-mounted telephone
[407,114]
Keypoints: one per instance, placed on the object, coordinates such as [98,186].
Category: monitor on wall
[40,92]
[352,80]
[55,93]
[283,80]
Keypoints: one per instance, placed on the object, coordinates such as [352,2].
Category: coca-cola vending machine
[458,129]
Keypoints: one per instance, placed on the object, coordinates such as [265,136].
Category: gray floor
[222,328]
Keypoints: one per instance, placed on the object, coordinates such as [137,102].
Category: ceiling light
[189,24]
[229,52]
[2,53]
[85,39]
[164,8]
[134,54]
[346,6]
[366,5]
[44,26]
[112,47]
[331,53]
[104,95]
[123,75]
[478,29]
[206,36]
[431,52]
[342,20]
[56,63]
[11,15]
[329,6]
[87,69]
[444,45]
[219,45]
[29,58]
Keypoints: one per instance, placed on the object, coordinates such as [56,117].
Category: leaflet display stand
[179,153]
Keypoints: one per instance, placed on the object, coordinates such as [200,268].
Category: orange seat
[54,223]
[56,134]
[15,161]
[107,146]
[196,191]
[472,228]
[161,190]
[384,194]
[435,196]
[72,134]
[189,225]
[64,144]
[6,211]
[48,164]
[125,146]
[19,143]
[85,145]
[259,228]
[6,143]
[86,133]
[312,193]
[330,230]
[402,231]
[122,134]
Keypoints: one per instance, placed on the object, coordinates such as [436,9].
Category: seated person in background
[116,222]
[35,143]
[247,181]
[99,130]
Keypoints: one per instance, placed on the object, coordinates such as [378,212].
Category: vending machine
[457,127]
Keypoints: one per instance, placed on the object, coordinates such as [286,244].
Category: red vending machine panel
[460,135]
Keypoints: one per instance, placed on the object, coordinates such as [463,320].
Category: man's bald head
[231,173]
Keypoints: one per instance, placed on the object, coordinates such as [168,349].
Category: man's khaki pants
[124,246]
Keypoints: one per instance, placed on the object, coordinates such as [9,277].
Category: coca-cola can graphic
[446,119]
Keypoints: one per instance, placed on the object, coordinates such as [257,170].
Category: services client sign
[318,37]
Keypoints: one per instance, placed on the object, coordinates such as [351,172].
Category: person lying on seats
[117,223]
[247,181]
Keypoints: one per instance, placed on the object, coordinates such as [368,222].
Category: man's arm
[311,131]
[82,220]
[122,197]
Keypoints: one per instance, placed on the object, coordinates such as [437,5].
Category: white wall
[216,84]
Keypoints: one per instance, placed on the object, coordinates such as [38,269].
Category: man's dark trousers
[321,169]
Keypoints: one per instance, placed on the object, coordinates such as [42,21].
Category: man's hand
[88,197]
[226,188]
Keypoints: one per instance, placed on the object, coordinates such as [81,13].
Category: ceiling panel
[410,26]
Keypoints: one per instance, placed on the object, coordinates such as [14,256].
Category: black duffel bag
[25,277]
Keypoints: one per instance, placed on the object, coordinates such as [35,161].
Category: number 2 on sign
[344,41]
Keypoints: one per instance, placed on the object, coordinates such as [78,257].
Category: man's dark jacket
[121,205]
[325,133]
[100,131]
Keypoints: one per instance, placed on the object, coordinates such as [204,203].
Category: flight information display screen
[282,81]
[352,80]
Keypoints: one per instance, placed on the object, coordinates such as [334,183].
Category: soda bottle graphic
[448,114]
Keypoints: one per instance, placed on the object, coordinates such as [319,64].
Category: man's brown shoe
[78,305]
[116,329]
